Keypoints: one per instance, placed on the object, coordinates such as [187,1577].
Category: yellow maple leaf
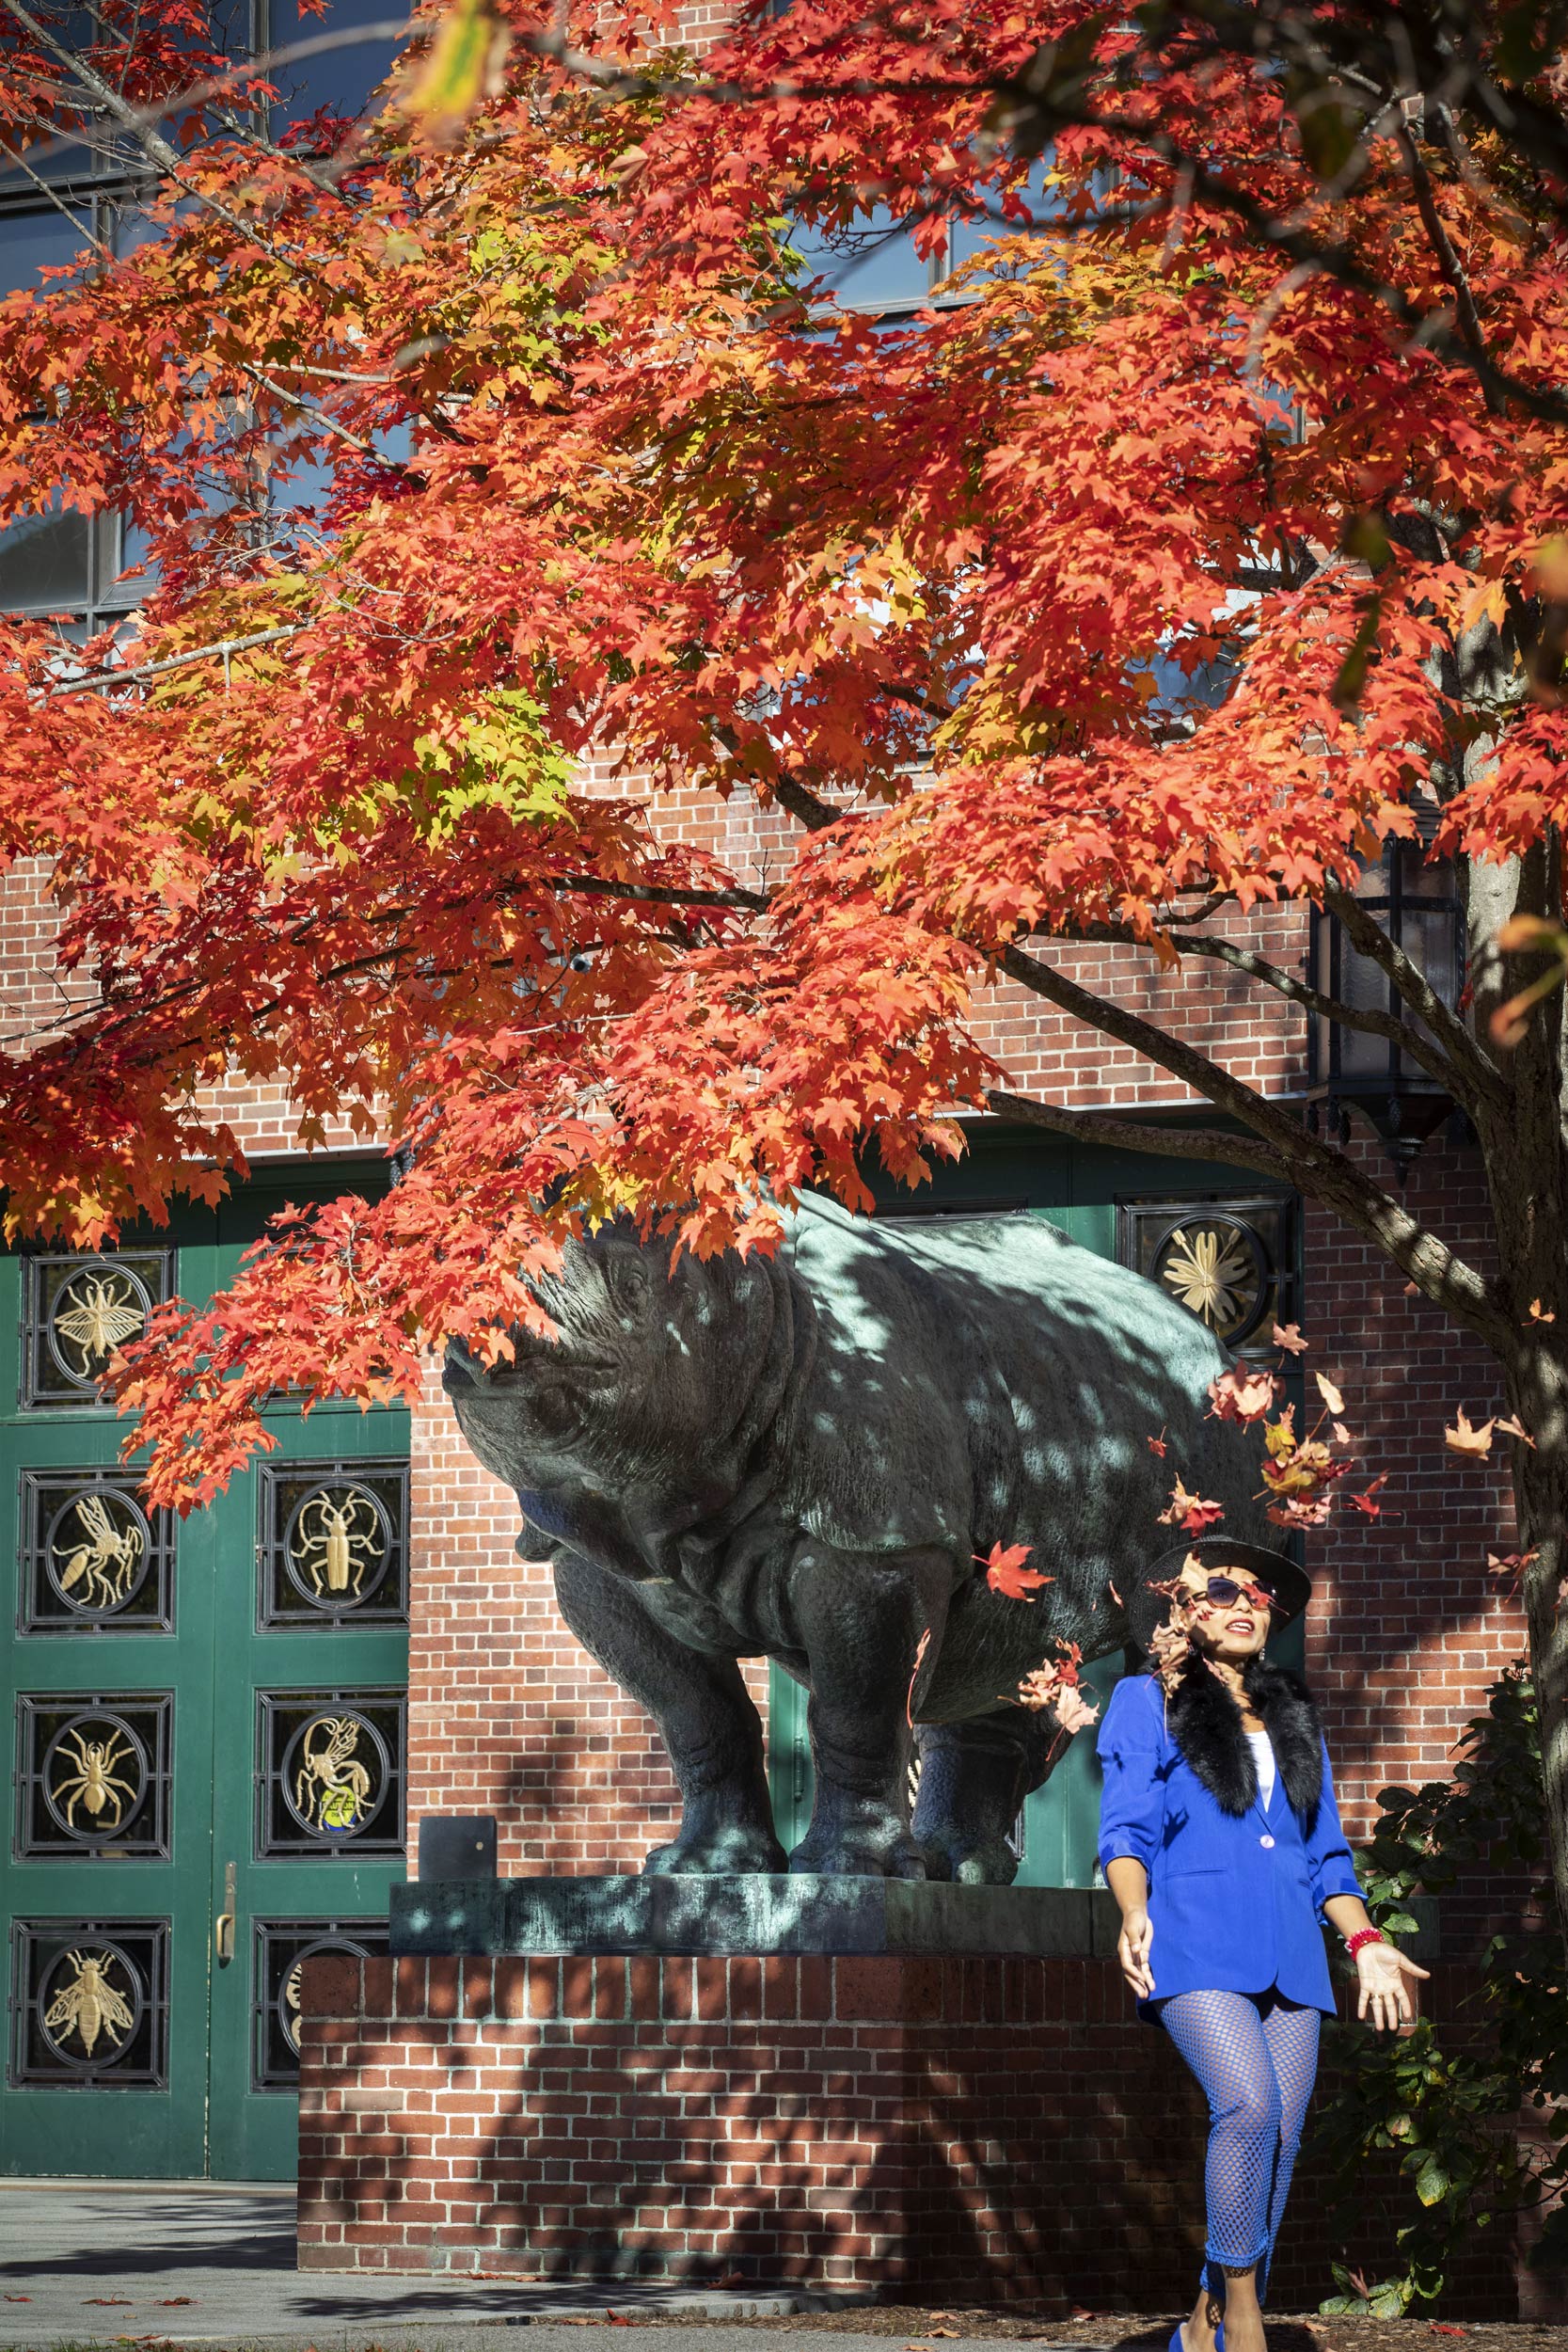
[1462,1439]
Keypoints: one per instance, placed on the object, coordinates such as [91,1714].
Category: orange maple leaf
[1462,1439]
[1288,1336]
[919,1650]
[1512,1427]
[1539,1314]
[1005,1572]
[1188,1512]
[1363,1502]
[1245,1394]
[1157,1446]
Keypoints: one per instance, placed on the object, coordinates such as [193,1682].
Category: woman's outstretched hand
[1381,1970]
[1133,1946]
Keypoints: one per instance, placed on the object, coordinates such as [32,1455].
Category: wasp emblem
[89,2006]
[104,1309]
[104,1562]
[331,1788]
[92,1779]
[337,1538]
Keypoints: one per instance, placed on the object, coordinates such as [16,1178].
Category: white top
[1262,1757]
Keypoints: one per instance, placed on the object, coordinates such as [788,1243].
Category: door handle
[223,1926]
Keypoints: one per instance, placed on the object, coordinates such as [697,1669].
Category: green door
[1138,1207]
[207,1720]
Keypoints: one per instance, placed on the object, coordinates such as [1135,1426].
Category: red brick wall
[1000,2128]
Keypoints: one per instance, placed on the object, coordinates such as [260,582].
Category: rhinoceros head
[650,1400]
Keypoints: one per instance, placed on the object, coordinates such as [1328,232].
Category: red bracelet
[1363,1935]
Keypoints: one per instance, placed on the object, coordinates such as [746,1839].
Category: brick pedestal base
[1002,2128]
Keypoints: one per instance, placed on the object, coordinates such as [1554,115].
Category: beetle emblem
[337,1538]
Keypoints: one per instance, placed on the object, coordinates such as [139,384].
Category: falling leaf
[1188,1512]
[919,1650]
[1157,1445]
[1462,1439]
[1330,1394]
[173,2302]
[1342,1436]
[1537,1314]
[1006,1574]
[1363,1502]
[1412,1290]
[1512,1427]
[1242,1394]
[18,2299]
[461,65]
[1288,1336]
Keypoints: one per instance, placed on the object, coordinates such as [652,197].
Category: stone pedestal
[627,2092]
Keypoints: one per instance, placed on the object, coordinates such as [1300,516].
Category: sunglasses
[1223,1590]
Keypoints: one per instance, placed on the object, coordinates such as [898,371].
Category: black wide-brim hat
[1289,1587]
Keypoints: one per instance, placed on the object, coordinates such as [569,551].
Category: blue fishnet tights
[1255,2057]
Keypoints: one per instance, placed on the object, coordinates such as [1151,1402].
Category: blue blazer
[1236,1906]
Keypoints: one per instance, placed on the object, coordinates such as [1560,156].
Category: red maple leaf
[1005,1572]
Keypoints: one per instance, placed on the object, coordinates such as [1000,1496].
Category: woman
[1221,1841]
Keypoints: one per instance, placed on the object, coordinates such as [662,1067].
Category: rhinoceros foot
[732,1852]
[990,1863]
[862,1850]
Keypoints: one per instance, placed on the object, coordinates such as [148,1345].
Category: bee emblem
[91,1780]
[98,1570]
[93,1314]
[89,2007]
[338,1537]
[332,1788]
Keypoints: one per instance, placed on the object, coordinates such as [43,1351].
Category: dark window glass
[340,80]
[46,562]
[33,241]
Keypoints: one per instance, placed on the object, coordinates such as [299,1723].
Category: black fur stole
[1206,1725]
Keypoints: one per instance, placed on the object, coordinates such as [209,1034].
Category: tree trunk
[1541,1495]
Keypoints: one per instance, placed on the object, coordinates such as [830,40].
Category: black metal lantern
[1415,900]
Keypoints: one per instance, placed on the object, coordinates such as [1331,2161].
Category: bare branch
[1141,1135]
[1461,1081]
[1370,938]
[1318,1168]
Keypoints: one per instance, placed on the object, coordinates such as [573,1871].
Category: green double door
[207,1721]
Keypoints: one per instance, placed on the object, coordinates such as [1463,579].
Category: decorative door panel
[207,1721]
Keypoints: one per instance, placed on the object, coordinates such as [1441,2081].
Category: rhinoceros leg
[705,1717]
[973,1776]
[860,1619]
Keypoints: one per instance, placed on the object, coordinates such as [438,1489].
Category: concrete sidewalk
[105,2263]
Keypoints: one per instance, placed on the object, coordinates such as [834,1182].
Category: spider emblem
[92,1779]
[104,1309]
[337,1538]
[331,1789]
[105,1566]
[90,2006]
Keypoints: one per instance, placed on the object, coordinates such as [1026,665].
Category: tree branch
[1316,1168]
[1459,1080]
[1411,982]
[1138,1134]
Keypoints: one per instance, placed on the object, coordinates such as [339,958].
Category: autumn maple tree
[1209,534]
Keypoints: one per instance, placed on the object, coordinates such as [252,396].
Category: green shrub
[1449,2115]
